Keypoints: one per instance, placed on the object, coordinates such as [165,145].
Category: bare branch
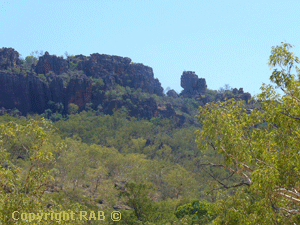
[295,194]
[288,197]
[295,211]
[224,185]
[220,165]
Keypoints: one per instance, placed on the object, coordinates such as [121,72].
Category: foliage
[42,76]
[72,108]
[138,200]
[196,211]
[73,66]
[31,60]
[265,157]
[66,78]
[22,190]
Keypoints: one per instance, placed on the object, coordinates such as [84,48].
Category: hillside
[113,141]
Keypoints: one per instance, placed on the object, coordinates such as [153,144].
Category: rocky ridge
[51,82]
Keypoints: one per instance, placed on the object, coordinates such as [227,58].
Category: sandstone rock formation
[79,91]
[26,93]
[191,84]
[172,93]
[9,58]
[53,63]
[29,93]
[118,70]
[241,95]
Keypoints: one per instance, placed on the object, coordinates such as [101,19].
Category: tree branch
[290,94]
[289,115]
[224,185]
[295,194]
[236,161]
[288,197]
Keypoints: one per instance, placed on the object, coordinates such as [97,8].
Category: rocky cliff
[9,58]
[68,80]
[118,70]
[191,84]
[53,63]
[29,93]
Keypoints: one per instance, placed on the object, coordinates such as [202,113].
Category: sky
[225,42]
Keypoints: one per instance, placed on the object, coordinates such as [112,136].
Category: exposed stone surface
[246,97]
[238,94]
[53,63]
[191,84]
[118,70]
[9,58]
[172,93]
[29,93]
[141,76]
[26,93]
[79,91]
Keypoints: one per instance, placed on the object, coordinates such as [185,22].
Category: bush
[42,76]
[72,108]
[194,212]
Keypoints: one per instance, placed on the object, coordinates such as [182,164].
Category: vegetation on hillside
[242,169]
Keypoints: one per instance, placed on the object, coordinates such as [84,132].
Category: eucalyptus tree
[266,158]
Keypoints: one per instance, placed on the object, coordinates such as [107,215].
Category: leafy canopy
[262,148]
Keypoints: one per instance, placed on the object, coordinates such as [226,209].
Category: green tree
[72,108]
[196,212]
[266,158]
[137,199]
[31,60]
[22,190]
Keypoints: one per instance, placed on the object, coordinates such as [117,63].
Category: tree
[72,108]
[227,87]
[266,158]
[137,199]
[197,212]
[23,189]
[30,60]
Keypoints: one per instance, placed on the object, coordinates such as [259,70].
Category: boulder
[191,84]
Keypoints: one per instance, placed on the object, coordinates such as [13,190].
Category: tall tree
[266,158]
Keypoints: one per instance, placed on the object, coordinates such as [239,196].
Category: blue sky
[225,42]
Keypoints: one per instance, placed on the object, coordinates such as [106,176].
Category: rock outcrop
[53,63]
[118,70]
[9,58]
[172,93]
[79,91]
[26,93]
[191,84]
[29,93]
